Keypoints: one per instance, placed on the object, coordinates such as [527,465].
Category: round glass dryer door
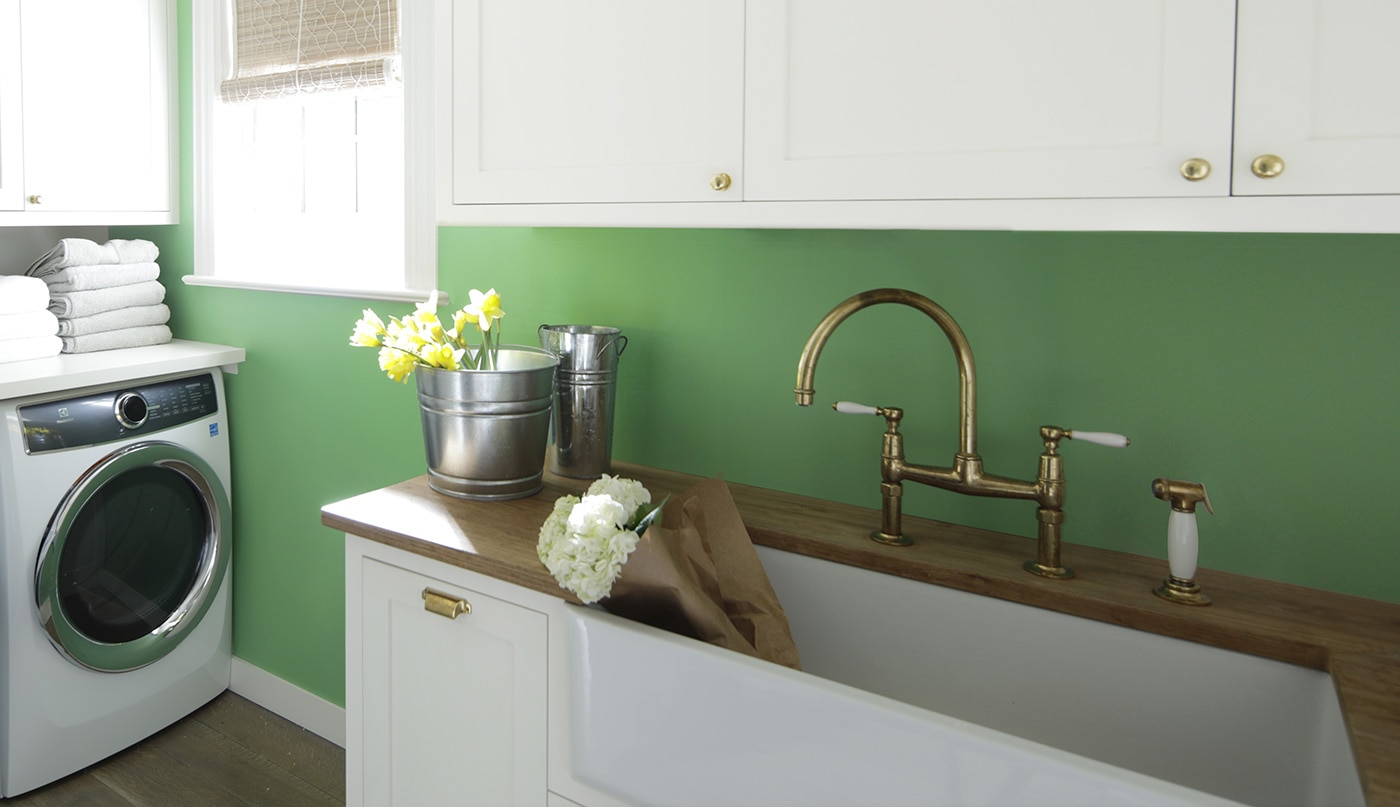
[133,557]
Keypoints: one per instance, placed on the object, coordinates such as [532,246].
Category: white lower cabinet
[442,709]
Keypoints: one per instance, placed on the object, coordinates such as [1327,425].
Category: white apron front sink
[917,694]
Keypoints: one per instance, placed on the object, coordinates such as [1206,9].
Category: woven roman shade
[295,47]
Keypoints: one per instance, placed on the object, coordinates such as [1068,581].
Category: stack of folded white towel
[105,296]
[28,330]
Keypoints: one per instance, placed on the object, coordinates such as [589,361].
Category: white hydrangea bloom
[597,516]
[584,543]
[629,492]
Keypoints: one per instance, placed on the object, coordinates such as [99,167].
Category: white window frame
[418,275]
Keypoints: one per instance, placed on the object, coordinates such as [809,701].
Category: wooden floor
[231,752]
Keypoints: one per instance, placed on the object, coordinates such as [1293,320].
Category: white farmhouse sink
[917,694]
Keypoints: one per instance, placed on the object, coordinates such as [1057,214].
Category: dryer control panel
[106,416]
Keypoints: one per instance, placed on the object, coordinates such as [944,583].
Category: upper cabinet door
[950,99]
[1318,87]
[606,101]
[97,105]
[11,127]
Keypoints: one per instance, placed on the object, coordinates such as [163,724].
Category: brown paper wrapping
[697,574]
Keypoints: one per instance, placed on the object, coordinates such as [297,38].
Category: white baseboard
[311,712]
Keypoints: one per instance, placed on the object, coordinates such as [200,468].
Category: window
[301,171]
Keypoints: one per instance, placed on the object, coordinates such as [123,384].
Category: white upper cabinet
[613,101]
[93,132]
[11,127]
[1318,88]
[971,114]
[949,99]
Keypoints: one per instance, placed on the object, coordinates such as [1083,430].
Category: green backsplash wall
[1264,366]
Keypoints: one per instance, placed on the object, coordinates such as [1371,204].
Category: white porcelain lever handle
[850,408]
[1101,438]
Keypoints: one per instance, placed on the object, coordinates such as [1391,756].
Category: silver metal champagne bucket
[485,431]
[585,397]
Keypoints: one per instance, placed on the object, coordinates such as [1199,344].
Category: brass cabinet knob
[1195,169]
[720,182]
[445,604]
[1267,166]
[36,199]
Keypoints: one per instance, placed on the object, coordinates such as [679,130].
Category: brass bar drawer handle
[445,604]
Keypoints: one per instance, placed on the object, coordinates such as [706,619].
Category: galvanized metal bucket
[485,431]
[585,397]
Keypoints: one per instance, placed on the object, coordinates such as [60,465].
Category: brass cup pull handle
[36,199]
[1195,169]
[720,182]
[445,604]
[1267,166]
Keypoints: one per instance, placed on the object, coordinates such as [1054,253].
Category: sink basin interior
[917,694]
[661,720]
[1234,725]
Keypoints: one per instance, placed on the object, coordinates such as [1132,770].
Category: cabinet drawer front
[454,707]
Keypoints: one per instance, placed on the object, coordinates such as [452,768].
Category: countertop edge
[71,371]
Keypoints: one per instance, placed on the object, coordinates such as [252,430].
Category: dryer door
[133,557]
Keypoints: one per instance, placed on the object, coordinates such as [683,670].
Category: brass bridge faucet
[966,475]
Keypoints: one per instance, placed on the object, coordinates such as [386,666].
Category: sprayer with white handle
[1182,539]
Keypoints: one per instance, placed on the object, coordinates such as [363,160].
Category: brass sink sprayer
[966,475]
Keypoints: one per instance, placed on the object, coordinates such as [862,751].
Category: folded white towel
[28,324]
[35,347]
[72,304]
[20,294]
[101,276]
[82,252]
[111,340]
[113,320]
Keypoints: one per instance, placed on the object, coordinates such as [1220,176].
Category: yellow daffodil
[369,331]
[423,339]
[397,363]
[484,308]
[440,356]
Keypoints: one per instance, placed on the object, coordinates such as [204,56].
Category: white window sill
[400,295]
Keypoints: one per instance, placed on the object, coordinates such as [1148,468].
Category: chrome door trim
[213,562]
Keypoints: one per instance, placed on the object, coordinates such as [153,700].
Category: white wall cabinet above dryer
[1318,88]
[11,127]
[92,138]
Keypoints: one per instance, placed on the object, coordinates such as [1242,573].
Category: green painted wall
[1262,365]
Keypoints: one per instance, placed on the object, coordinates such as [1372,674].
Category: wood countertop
[1356,640]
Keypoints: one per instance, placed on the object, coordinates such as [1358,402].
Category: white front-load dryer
[114,569]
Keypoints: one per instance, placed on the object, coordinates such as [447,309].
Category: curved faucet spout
[967,379]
